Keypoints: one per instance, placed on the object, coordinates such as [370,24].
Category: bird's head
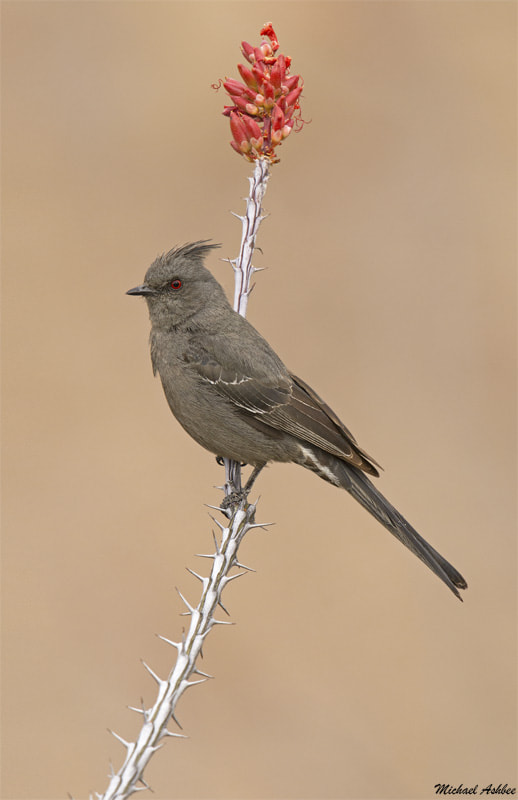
[177,286]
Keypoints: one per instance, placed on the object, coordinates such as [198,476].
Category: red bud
[247,76]
[293,96]
[248,52]
[290,82]
[244,105]
[278,72]
[237,127]
[277,119]
[252,128]
[234,87]
[269,91]
[259,74]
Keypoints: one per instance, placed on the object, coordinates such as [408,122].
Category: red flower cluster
[265,105]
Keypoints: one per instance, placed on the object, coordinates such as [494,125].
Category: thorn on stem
[178,645]
[229,578]
[174,718]
[187,683]
[263,525]
[188,605]
[220,604]
[216,508]
[200,577]
[217,522]
[239,565]
[216,543]
[155,677]
[205,674]
[127,745]
[138,710]
[166,732]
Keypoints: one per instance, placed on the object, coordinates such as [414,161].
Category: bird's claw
[233,499]
[221,461]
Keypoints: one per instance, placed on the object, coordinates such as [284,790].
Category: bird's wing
[306,413]
[246,385]
[306,416]
[279,400]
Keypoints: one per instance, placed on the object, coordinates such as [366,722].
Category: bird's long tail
[363,490]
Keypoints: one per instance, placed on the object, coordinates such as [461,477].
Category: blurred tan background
[352,672]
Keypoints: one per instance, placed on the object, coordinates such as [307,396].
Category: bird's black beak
[143,290]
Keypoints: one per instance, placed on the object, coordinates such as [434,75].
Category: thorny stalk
[130,777]
[243,271]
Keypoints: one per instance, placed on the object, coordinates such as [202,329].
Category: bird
[233,395]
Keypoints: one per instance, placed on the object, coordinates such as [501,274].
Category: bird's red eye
[176,284]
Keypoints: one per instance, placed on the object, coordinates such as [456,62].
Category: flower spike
[265,107]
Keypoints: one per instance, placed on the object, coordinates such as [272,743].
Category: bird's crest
[192,250]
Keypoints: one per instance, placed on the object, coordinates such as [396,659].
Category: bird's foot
[233,499]
[221,461]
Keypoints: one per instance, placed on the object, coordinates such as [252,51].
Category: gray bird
[234,396]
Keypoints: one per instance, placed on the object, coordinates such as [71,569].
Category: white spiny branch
[243,271]
[157,718]
[241,518]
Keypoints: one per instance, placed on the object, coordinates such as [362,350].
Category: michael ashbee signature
[491,788]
